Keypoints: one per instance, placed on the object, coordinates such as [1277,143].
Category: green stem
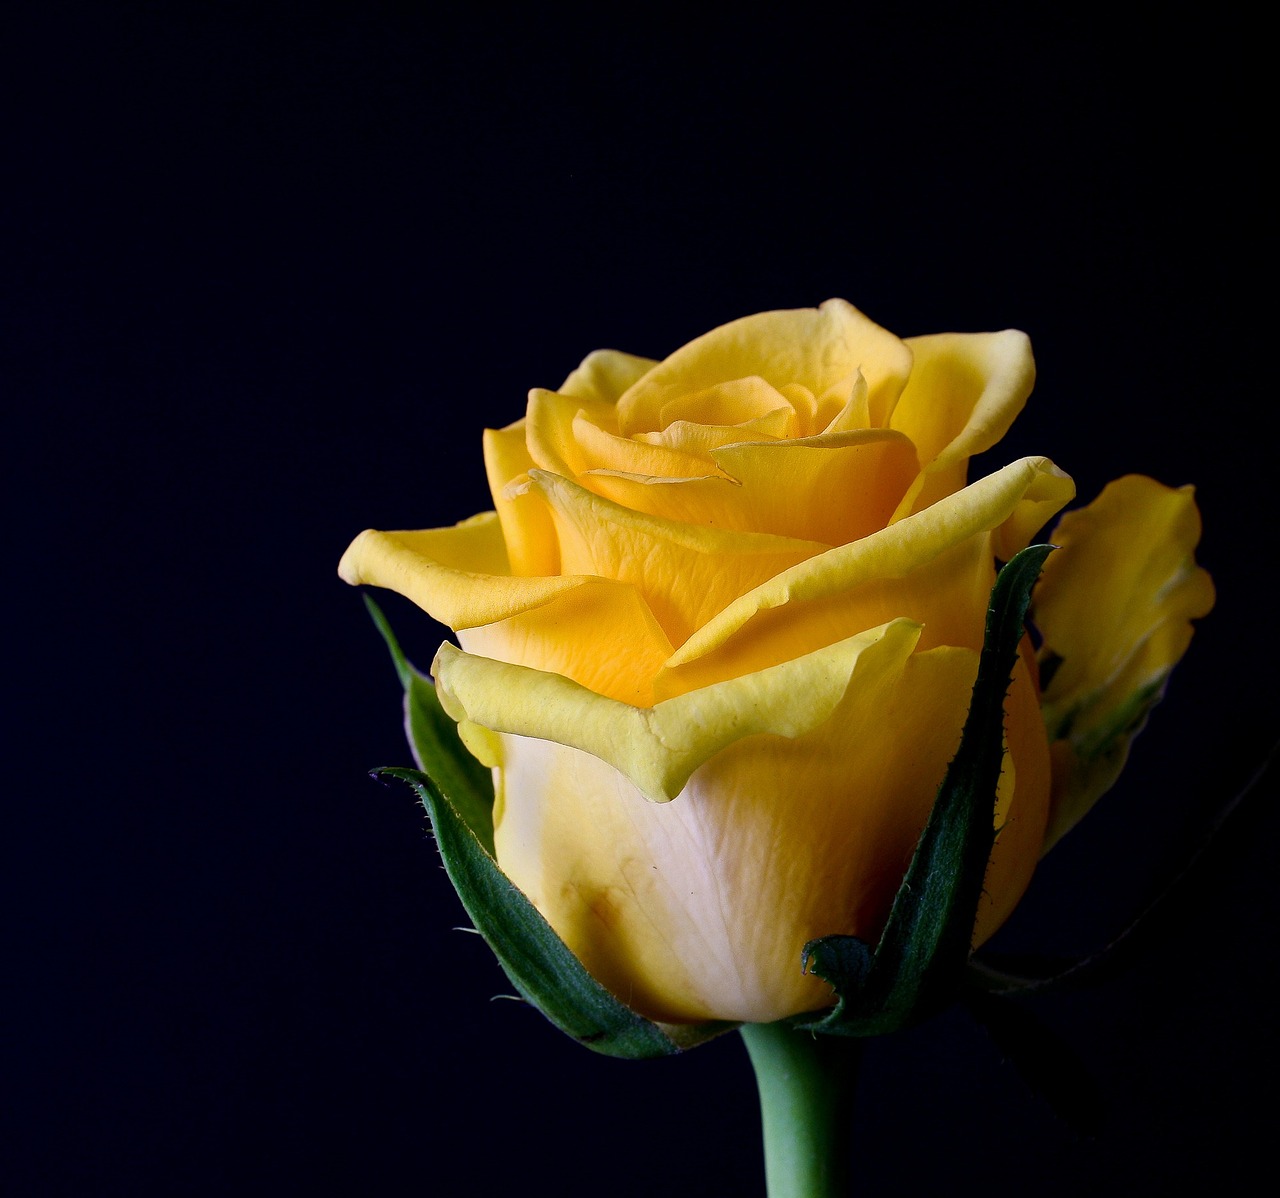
[806,1085]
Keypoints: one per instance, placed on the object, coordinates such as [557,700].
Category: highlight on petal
[814,347]
[1114,606]
[934,567]
[659,747]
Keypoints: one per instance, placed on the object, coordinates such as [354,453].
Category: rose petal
[701,439]
[1114,606]
[458,576]
[549,421]
[616,650]
[934,567]
[686,572]
[964,392]
[604,375]
[658,747]
[608,451]
[699,908]
[527,528]
[782,487]
[815,347]
[731,403]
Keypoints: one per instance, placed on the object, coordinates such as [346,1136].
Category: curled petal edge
[1012,504]
[658,748]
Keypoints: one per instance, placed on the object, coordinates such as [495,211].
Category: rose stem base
[806,1085]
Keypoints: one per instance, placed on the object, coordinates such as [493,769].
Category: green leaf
[919,963]
[539,964]
[437,748]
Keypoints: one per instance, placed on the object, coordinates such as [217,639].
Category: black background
[268,273]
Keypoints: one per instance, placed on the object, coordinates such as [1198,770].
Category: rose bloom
[719,635]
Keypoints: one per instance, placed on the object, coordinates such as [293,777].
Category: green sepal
[918,965]
[538,963]
[457,793]
[436,745]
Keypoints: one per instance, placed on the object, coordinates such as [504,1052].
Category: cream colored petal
[604,375]
[815,347]
[699,908]
[964,392]
[935,567]
[685,572]
[527,528]
[1115,610]
[659,747]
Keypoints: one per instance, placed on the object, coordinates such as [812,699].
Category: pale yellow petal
[848,408]
[457,575]
[659,747]
[1114,605]
[699,908]
[685,572]
[964,392]
[604,375]
[935,567]
[815,347]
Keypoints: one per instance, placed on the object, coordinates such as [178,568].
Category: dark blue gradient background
[266,276]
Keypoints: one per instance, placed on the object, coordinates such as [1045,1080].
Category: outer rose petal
[658,748]
[1114,606]
[699,908]
[965,391]
[934,567]
[605,374]
[458,575]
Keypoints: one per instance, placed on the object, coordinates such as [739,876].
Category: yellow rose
[719,637]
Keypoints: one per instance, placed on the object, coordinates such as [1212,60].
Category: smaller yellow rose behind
[719,633]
